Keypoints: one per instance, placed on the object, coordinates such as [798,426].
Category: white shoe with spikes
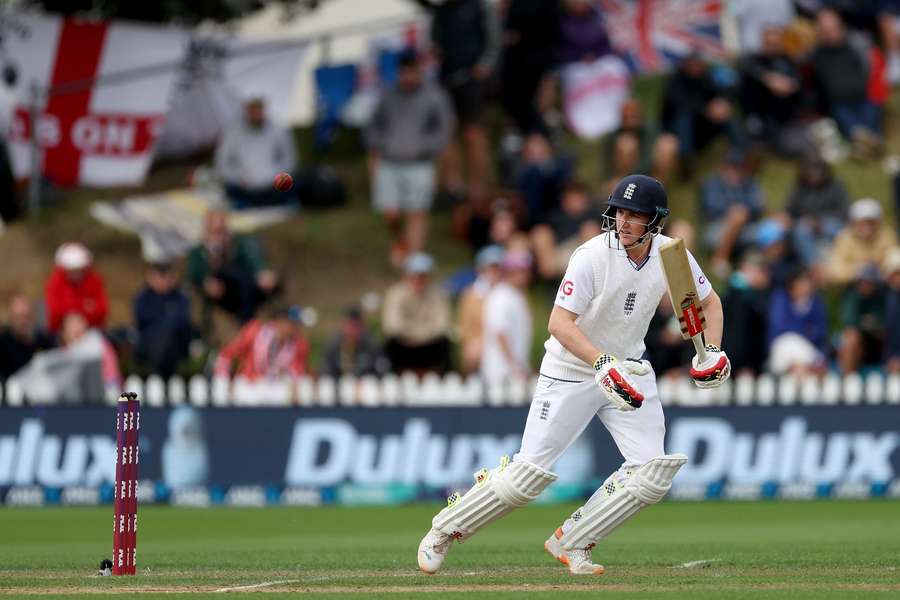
[433,550]
[579,560]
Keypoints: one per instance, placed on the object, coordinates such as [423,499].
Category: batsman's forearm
[573,339]
[715,319]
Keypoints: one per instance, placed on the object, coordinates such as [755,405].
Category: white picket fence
[453,390]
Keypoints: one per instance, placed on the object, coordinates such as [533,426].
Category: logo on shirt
[568,287]
[702,280]
[629,302]
[629,191]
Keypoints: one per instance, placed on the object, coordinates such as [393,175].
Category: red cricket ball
[284,182]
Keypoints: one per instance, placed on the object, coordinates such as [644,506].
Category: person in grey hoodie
[252,151]
[411,126]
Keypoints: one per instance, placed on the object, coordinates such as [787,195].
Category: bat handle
[700,348]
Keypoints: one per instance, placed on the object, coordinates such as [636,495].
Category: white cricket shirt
[505,312]
[614,299]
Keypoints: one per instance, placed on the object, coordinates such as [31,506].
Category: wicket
[128,424]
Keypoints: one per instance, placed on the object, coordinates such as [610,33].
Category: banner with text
[354,455]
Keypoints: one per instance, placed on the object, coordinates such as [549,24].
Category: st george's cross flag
[106,90]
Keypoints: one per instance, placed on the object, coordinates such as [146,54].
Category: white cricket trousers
[561,410]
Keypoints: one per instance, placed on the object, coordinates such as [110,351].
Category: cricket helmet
[642,194]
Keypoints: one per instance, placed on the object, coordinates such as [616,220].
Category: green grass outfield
[827,549]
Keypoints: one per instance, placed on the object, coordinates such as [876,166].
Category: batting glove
[714,371]
[613,378]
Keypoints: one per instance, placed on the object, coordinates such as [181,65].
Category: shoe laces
[440,542]
[584,554]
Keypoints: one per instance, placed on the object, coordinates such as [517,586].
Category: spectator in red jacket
[74,286]
[266,348]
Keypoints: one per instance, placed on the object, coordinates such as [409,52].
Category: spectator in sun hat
[416,319]
[488,264]
[74,286]
[865,240]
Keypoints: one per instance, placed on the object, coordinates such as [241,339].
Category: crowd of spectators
[810,278]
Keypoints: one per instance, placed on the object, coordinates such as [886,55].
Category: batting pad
[645,486]
[495,494]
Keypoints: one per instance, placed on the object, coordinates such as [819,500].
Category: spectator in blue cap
[416,319]
[771,238]
[469,322]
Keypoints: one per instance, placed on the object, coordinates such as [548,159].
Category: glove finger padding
[714,372]
[616,385]
[636,367]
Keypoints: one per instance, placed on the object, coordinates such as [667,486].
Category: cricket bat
[683,294]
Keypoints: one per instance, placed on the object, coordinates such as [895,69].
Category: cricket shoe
[433,550]
[578,560]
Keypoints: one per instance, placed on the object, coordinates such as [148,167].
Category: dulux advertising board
[313,455]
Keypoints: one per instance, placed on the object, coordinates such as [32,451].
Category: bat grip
[700,348]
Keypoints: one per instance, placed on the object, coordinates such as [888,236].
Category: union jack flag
[652,35]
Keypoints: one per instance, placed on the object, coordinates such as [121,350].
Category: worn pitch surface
[826,549]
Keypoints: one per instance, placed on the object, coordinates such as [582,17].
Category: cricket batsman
[611,289]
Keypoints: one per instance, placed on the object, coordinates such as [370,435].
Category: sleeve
[225,160]
[331,361]
[98,308]
[819,335]
[445,121]
[53,299]
[577,287]
[392,316]
[109,366]
[849,310]
[892,345]
[196,267]
[249,254]
[704,287]
[756,201]
[142,320]
[237,347]
[493,313]
[492,47]
[184,312]
[286,151]
[840,266]
[301,353]
[776,317]
[374,136]
[441,315]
